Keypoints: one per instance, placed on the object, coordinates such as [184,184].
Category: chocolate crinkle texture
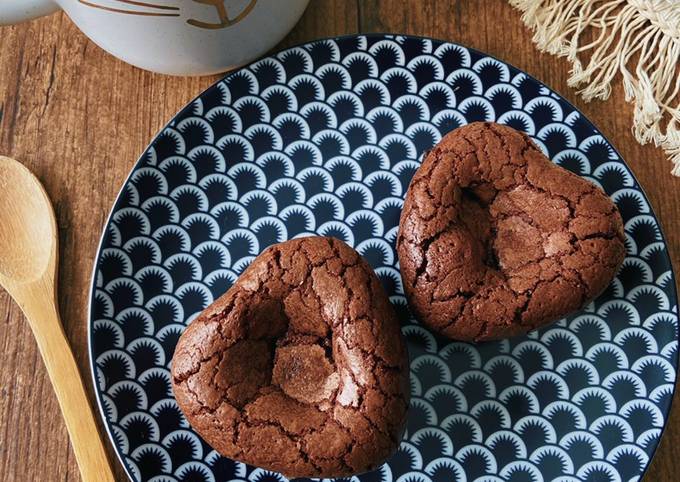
[495,240]
[301,367]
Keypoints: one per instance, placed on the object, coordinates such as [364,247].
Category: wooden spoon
[28,271]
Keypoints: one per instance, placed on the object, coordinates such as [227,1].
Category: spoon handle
[43,316]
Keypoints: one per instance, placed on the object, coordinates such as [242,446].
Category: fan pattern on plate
[324,138]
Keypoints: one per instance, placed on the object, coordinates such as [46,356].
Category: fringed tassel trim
[639,39]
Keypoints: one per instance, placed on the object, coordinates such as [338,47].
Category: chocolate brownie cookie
[496,240]
[300,367]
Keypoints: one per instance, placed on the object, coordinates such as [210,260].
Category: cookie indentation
[303,372]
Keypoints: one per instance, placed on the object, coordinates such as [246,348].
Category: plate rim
[272,54]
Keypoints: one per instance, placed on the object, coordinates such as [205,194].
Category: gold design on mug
[175,10]
[224,20]
[158,10]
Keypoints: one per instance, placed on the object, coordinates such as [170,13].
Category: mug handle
[15,11]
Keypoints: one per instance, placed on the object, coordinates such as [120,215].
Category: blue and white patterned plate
[324,138]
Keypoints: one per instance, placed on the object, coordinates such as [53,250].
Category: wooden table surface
[80,118]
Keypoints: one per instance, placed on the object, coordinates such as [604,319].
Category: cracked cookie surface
[299,368]
[496,240]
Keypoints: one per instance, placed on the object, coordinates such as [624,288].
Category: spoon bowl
[28,268]
[28,238]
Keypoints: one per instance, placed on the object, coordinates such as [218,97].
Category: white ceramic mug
[179,37]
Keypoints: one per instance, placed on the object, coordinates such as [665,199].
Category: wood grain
[80,118]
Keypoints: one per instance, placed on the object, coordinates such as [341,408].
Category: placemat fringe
[640,39]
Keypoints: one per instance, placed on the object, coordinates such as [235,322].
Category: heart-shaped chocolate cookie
[496,240]
[300,367]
